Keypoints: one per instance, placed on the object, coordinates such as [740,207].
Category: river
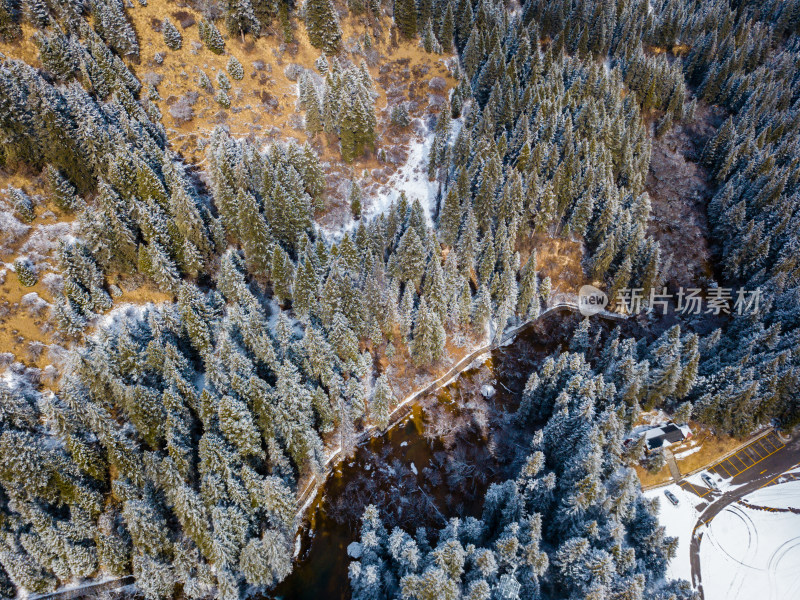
[435,464]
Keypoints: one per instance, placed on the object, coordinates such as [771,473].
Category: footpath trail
[567,302]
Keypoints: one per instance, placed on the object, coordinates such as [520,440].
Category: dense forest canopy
[173,442]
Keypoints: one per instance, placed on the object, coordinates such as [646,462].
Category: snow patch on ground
[12,228]
[685,453]
[125,312]
[411,178]
[678,521]
[747,553]
[785,495]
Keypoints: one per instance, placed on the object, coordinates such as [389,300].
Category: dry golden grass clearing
[648,479]
[263,104]
[23,49]
[24,331]
[559,259]
[712,447]
[27,331]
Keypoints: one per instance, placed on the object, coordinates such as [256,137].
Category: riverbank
[400,411]
[446,444]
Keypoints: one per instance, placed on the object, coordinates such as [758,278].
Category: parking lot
[746,459]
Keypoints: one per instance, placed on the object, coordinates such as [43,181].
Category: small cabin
[666,435]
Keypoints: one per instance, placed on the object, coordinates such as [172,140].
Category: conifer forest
[246,243]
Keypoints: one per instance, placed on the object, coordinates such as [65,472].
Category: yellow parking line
[694,489]
[776,442]
[753,451]
[737,457]
[762,445]
[700,524]
[758,461]
[726,470]
[766,439]
[771,480]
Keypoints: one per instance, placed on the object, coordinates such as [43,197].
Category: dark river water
[433,465]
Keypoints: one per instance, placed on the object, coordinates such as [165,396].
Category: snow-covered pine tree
[322,24]
[405,18]
[235,68]
[429,337]
[447,28]
[408,262]
[172,37]
[281,274]
[240,18]
[211,37]
[355,198]
[382,400]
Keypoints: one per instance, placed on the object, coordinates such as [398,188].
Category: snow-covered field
[679,521]
[411,178]
[745,553]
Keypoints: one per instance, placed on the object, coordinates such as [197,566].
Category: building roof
[665,435]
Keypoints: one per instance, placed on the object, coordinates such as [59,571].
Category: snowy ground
[679,521]
[411,178]
[747,553]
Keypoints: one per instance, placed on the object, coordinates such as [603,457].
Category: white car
[708,481]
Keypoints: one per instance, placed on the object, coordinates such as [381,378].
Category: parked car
[671,497]
[708,481]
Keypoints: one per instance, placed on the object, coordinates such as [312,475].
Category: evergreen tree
[314,119]
[322,24]
[281,274]
[482,310]
[408,263]
[306,288]
[343,340]
[427,344]
[26,272]
[429,41]
[528,299]
[449,218]
[382,401]
[211,37]
[235,68]
[355,200]
[447,29]
[240,18]
[405,18]
[172,37]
